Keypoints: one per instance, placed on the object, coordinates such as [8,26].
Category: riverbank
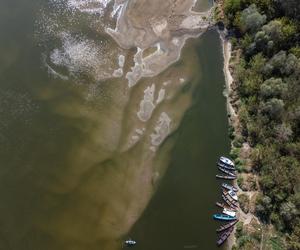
[266,138]
[246,216]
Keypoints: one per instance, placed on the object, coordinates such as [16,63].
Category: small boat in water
[220,164]
[226,177]
[222,205]
[223,217]
[226,161]
[226,226]
[229,212]
[224,236]
[229,201]
[229,197]
[226,171]
[229,187]
[233,195]
[129,243]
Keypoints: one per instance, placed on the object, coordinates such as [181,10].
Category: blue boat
[223,217]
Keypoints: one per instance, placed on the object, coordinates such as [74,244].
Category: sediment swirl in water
[125,103]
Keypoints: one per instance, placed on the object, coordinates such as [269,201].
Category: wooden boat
[229,187]
[226,177]
[224,236]
[225,166]
[226,171]
[222,205]
[223,217]
[230,203]
[226,226]
[231,200]
[232,195]
[226,161]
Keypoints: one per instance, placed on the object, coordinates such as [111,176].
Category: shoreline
[233,120]
[227,49]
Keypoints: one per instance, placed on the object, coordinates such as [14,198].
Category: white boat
[130,242]
[229,187]
[226,161]
[233,194]
[229,212]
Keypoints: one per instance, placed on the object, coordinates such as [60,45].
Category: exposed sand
[166,25]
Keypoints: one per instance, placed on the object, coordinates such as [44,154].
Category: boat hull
[225,166]
[223,217]
[226,226]
[228,201]
[222,205]
[226,171]
[229,187]
[224,236]
[226,161]
[226,177]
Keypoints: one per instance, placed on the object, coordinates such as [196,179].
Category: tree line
[268,85]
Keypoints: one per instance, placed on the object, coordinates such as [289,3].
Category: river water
[78,169]
[180,214]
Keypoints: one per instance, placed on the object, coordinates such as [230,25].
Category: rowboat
[130,243]
[226,171]
[229,187]
[223,217]
[220,164]
[229,212]
[224,236]
[222,205]
[226,226]
[230,198]
[226,161]
[229,201]
[226,177]
[233,195]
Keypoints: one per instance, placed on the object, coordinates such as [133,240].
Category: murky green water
[180,214]
[71,178]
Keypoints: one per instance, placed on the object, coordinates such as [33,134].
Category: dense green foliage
[268,84]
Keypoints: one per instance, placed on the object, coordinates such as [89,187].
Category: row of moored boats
[229,205]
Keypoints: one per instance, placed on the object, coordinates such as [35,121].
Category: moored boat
[220,164]
[229,187]
[222,205]
[226,161]
[226,226]
[226,171]
[224,217]
[229,212]
[233,195]
[226,177]
[130,243]
[224,236]
[229,201]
